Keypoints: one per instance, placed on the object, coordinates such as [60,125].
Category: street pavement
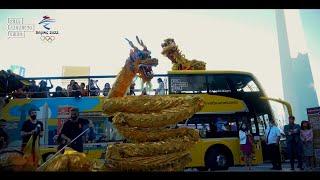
[265,167]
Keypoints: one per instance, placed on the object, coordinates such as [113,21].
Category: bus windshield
[211,83]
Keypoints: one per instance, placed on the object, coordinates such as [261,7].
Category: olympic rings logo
[47,38]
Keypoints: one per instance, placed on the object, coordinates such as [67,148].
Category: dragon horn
[130,43]
[137,38]
[141,42]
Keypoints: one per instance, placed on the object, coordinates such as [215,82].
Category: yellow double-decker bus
[231,98]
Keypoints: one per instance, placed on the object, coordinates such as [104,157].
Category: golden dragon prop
[145,122]
[179,61]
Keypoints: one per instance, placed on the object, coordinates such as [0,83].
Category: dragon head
[169,47]
[140,61]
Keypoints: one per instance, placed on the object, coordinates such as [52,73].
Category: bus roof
[209,72]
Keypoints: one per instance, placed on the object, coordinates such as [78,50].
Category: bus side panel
[197,155]
[222,104]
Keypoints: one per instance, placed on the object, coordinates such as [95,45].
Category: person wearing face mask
[73,128]
[31,127]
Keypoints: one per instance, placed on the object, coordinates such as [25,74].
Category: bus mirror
[285,103]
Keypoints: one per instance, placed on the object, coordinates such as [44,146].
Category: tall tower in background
[297,80]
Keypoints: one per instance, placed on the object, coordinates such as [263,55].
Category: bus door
[251,122]
[263,124]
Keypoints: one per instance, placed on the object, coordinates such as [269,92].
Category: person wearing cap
[4,138]
[30,127]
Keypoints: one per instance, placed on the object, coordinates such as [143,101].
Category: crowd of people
[299,144]
[33,90]
[73,89]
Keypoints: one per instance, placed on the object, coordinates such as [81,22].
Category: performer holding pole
[62,149]
[72,128]
[71,134]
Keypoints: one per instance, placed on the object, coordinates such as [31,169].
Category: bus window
[241,120]
[96,126]
[203,129]
[250,122]
[101,129]
[212,125]
[233,126]
[221,124]
[190,123]
[266,119]
[218,83]
[253,126]
[251,87]
[244,83]
[261,125]
[224,126]
[188,84]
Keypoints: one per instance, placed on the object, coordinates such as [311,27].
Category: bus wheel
[217,159]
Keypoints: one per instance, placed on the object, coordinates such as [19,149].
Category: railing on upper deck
[81,78]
